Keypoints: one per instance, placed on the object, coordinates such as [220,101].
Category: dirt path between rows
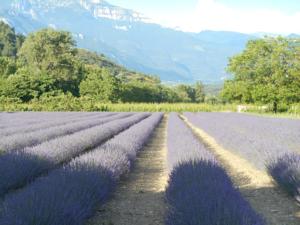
[255,185]
[139,198]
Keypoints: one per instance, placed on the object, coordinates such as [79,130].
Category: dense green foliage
[101,85]
[70,103]
[48,64]
[52,54]
[10,42]
[266,72]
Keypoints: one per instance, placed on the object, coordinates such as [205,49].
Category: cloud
[212,15]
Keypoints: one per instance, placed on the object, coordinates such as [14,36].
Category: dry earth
[139,198]
[255,185]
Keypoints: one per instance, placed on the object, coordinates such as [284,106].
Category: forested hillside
[48,63]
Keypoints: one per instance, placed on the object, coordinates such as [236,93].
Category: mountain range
[130,38]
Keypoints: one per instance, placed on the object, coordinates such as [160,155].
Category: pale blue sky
[288,6]
[238,15]
[148,5]
[156,6]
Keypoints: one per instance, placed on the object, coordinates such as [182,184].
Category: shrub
[286,172]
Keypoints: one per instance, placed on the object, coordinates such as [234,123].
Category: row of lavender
[70,194]
[19,167]
[199,190]
[57,121]
[270,144]
[20,140]
[17,119]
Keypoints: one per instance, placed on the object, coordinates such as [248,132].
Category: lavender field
[65,168]
[269,144]
[258,139]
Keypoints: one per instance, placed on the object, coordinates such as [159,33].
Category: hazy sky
[277,16]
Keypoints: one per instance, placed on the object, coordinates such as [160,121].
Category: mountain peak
[103,9]
[97,8]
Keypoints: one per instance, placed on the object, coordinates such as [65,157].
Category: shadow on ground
[275,205]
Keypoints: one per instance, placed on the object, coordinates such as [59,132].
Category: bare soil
[139,198]
[257,187]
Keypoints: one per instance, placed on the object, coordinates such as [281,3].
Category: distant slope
[129,39]
[294,36]
[213,89]
[90,58]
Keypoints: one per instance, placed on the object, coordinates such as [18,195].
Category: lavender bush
[22,166]
[199,191]
[258,139]
[19,141]
[286,172]
[183,146]
[69,195]
[50,123]
[66,197]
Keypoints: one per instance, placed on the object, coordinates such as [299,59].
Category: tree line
[266,72]
[47,63]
